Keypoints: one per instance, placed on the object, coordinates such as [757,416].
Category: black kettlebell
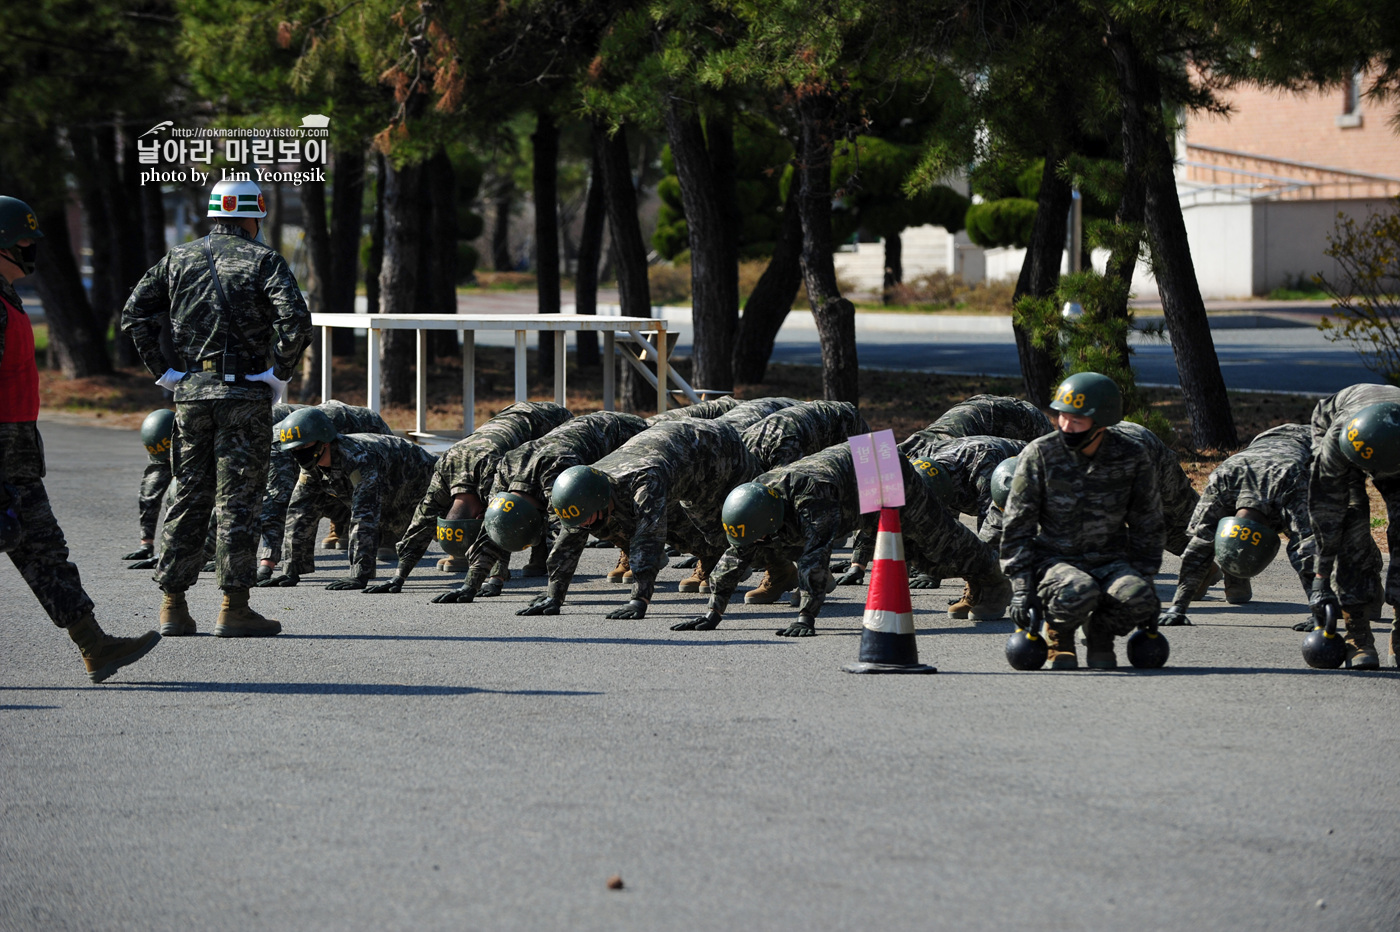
[1148,648]
[1026,649]
[1324,648]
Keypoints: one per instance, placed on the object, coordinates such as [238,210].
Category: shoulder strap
[229,329]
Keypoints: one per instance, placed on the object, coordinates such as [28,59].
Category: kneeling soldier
[380,478]
[987,416]
[801,510]
[1083,534]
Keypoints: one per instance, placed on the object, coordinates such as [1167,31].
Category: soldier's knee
[1068,593]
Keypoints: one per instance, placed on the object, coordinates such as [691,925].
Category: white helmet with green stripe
[236,199]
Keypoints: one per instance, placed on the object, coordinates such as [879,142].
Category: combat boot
[333,540]
[992,598]
[963,606]
[1213,576]
[103,654]
[237,620]
[622,573]
[1098,647]
[539,563]
[454,564]
[175,620]
[1238,590]
[698,580]
[1361,643]
[1395,643]
[779,578]
[1061,644]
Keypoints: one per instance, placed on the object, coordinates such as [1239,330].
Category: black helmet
[936,476]
[578,493]
[1001,480]
[513,521]
[17,221]
[751,512]
[303,426]
[1371,439]
[1243,546]
[156,431]
[455,537]
[1088,394]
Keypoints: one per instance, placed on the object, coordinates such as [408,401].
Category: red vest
[19,375]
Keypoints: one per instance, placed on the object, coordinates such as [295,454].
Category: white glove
[170,379]
[279,388]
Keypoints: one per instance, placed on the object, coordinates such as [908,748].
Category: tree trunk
[79,343]
[317,285]
[376,238]
[772,296]
[89,153]
[894,265]
[153,234]
[1122,261]
[398,278]
[347,200]
[1040,273]
[1144,130]
[437,282]
[629,255]
[128,234]
[590,248]
[835,317]
[500,228]
[545,180]
[714,269]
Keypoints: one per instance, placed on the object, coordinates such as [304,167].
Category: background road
[389,764]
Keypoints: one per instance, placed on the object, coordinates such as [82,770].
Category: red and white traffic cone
[887,640]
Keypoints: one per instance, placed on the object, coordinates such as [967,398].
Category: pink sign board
[887,462]
[867,473]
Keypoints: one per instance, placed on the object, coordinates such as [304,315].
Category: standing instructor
[239,325]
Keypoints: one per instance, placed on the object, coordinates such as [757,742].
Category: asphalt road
[389,764]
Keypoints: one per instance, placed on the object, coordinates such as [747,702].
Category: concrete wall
[927,249]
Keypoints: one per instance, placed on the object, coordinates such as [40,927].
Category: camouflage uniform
[1179,496]
[992,526]
[1340,509]
[821,506]
[990,416]
[41,556]
[1072,533]
[220,460]
[379,477]
[1269,476]
[968,463]
[802,430]
[469,466]
[282,472]
[670,479]
[532,467]
[748,413]
[155,480]
[705,410]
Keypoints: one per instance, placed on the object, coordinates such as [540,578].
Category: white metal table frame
[648,333]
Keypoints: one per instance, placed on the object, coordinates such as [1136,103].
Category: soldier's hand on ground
[542,605]
[635,608]
[1323,597]
[706,622]
[394,585]
[804,627]
[283,581]
[839,567]
[208,567]
[854,576]
[491,587]
[147,564]
[145,552]
[1173,617]
[342,584]
[462,594]
[1307,624]
[924,581]
[599,543]
[687,564]
[265,572]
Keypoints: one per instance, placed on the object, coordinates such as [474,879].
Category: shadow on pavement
[522,639]
[307,689]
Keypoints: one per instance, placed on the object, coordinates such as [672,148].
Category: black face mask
[1075,441]
[23,257]
[306,457]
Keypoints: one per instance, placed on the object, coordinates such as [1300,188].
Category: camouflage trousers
[42,557]
[1356,576]
[1111,599]
[219,465]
